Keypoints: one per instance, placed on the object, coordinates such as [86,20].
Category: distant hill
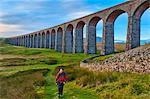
[99,40]
[120,42]
[144,41]
[123,42]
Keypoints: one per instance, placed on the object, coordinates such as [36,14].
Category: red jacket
[61,77]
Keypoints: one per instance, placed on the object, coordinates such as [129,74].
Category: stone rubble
[136,61]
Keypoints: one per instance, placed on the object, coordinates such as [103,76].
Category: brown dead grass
[118,47]
[21,85]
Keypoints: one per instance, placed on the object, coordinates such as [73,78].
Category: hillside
[136,61]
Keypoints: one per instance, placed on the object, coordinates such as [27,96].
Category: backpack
[61,77]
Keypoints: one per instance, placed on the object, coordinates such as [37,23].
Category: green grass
[127,86]
[21,64]
[21,85]
[101,58]
[44,59]
[112,84]
[60,57]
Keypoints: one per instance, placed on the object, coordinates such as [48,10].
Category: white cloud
[78,14]
[67,1]
[10,28]
[2,14]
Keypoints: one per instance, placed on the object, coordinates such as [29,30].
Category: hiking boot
[59,95]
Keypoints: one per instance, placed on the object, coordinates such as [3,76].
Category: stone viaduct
[68,37]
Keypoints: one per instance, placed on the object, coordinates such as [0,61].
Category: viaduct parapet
[68,37]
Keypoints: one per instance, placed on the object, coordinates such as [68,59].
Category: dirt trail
[8,56]
[3,56]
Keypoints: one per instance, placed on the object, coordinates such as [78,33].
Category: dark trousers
[60,88]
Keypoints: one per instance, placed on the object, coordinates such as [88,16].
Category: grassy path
[71,90]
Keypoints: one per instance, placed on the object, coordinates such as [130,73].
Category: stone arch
[141,9]
[69,39]
[35,41]
[17,44]
[58,46]
[136,21]
[43,40]
[15,41]
[18,39]
[91,39]
[39,40]
[31,41]
[108,40]
[47,39]
[26,37]
[23,41]
[113,15]
[78,38]
[53,38]
[94,20]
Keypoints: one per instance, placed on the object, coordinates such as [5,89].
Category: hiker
[61,79]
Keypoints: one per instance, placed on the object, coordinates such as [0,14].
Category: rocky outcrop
[136,60]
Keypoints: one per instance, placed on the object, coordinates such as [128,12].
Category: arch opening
[84,39]
[120,32]
[35,41]
[69,39]
[26,41]
[47,39]
[43,40]
[99,32]
[18,39]
[78,37]
[31,39]
[59,39]
[112,32]
[53,39]
[39,40]
[91,40]
[22,39]
[136,24]
[145,28]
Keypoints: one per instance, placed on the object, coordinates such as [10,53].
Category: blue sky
[19,17]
